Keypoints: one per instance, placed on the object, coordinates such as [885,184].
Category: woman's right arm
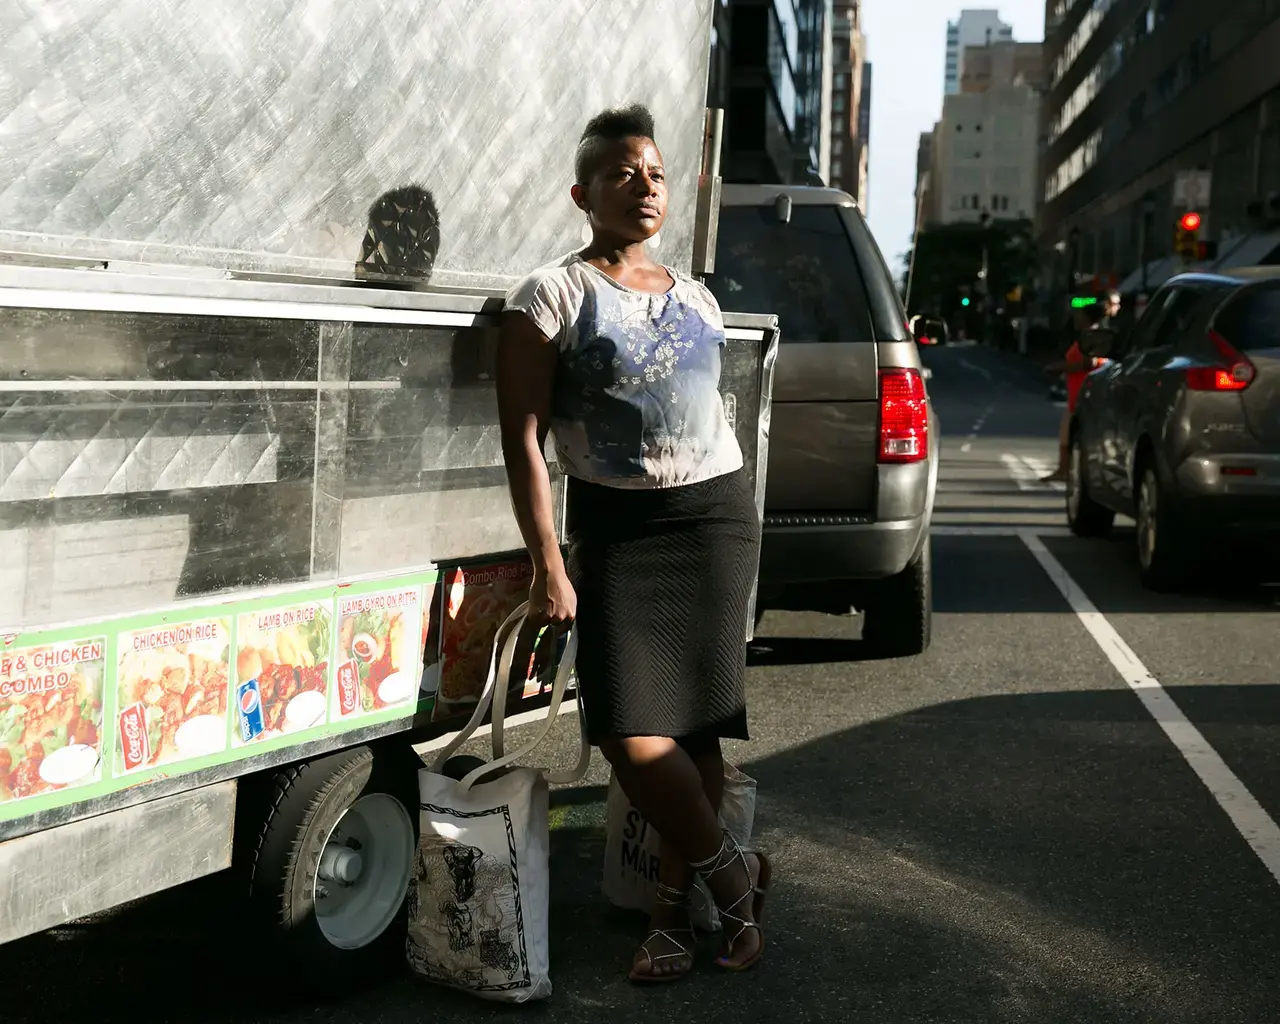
[526,374]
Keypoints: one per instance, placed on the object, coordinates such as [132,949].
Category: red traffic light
[1190,222]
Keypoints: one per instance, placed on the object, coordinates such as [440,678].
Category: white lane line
[966,446]
[980,370]
[1029,474]
[1257,827]
[1041,469]
[1023,475]
[954,530]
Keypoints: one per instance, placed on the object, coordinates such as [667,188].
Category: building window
[977,202]
[837,168]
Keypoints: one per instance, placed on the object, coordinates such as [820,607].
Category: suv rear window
[1251,321]
[804,271]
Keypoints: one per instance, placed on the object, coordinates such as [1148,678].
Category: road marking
[1029,474]
[981,370]
[966,446]
[950,530]
[1042,469]
[1257,827]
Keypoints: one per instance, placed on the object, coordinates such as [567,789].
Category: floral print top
[636,402]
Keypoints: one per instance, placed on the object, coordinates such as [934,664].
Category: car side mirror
[929,330]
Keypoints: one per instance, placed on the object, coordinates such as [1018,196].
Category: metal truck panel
[86,866]
[295,137]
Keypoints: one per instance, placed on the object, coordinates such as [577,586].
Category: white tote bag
[632,848]
[479,899]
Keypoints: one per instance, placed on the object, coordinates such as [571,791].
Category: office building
[773,73]
[1138,92]
[982,157]
[972,28]
[850,102]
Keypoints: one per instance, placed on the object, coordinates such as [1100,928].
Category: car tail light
[904,416]
[1233,373]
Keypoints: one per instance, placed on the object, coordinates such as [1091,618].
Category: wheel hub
[363,871]
[1148,507]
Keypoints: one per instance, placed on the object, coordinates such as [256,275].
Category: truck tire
[329,863]
[898,619]
[1084,515]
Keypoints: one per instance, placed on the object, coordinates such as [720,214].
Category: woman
[1075,366]
[620,357]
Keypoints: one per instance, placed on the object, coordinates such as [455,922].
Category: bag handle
[500,665]
[486,695]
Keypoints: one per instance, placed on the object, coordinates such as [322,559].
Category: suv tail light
[904,416]
[1233,373]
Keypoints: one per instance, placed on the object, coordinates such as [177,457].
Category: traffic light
[1186,241]
[965,301]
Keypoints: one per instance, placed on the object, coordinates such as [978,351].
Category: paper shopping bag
[632,848]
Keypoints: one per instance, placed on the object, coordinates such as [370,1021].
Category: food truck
[255,536]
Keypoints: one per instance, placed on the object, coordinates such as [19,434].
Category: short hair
[609,126]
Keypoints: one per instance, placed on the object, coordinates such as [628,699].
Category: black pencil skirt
[664,580]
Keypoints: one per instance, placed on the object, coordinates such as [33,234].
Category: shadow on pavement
[1043,858]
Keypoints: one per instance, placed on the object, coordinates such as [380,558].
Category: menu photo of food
[379,648]
[171,692]
[282,671]
[477,600]
[50,717]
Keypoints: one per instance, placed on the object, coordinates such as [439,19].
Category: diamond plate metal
[259,137]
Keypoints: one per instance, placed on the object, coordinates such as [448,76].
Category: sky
[907,45]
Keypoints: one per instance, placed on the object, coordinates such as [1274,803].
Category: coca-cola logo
[133,736]
[348,687]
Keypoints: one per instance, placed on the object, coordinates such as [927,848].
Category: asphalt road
[1061,813]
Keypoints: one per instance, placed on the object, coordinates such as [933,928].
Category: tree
[949,262]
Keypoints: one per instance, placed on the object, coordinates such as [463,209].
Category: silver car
[1181,430]
[853,442]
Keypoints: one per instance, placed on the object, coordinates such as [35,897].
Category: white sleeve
[538,298]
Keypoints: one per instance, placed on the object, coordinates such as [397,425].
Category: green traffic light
[1081,301]
[964,301]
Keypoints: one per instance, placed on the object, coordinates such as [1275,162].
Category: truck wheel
[329,865]
[898,621]
[1084,515]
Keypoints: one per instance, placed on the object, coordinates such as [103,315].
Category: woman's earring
[655,241]
[586,232]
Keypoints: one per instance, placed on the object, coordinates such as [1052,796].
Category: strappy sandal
[668,896]
[730,853]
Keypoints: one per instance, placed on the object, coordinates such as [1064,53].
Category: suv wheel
[1084,515]
[1163,556]
[898,621]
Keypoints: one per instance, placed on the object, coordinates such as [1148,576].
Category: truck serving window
[805,271]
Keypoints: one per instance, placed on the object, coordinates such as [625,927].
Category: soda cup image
[249,710]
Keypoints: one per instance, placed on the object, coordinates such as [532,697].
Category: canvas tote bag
[479,898]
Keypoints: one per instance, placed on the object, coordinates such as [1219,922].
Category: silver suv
[853,441]
[1181,430]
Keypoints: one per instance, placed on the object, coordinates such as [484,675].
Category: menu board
[283,656]
[103,707]
[171,693]
[51,706]
[477,600]
[379,652]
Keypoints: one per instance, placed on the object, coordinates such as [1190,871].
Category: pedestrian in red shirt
[1075,366]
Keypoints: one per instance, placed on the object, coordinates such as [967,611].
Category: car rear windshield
[805,271]
[1251,321]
